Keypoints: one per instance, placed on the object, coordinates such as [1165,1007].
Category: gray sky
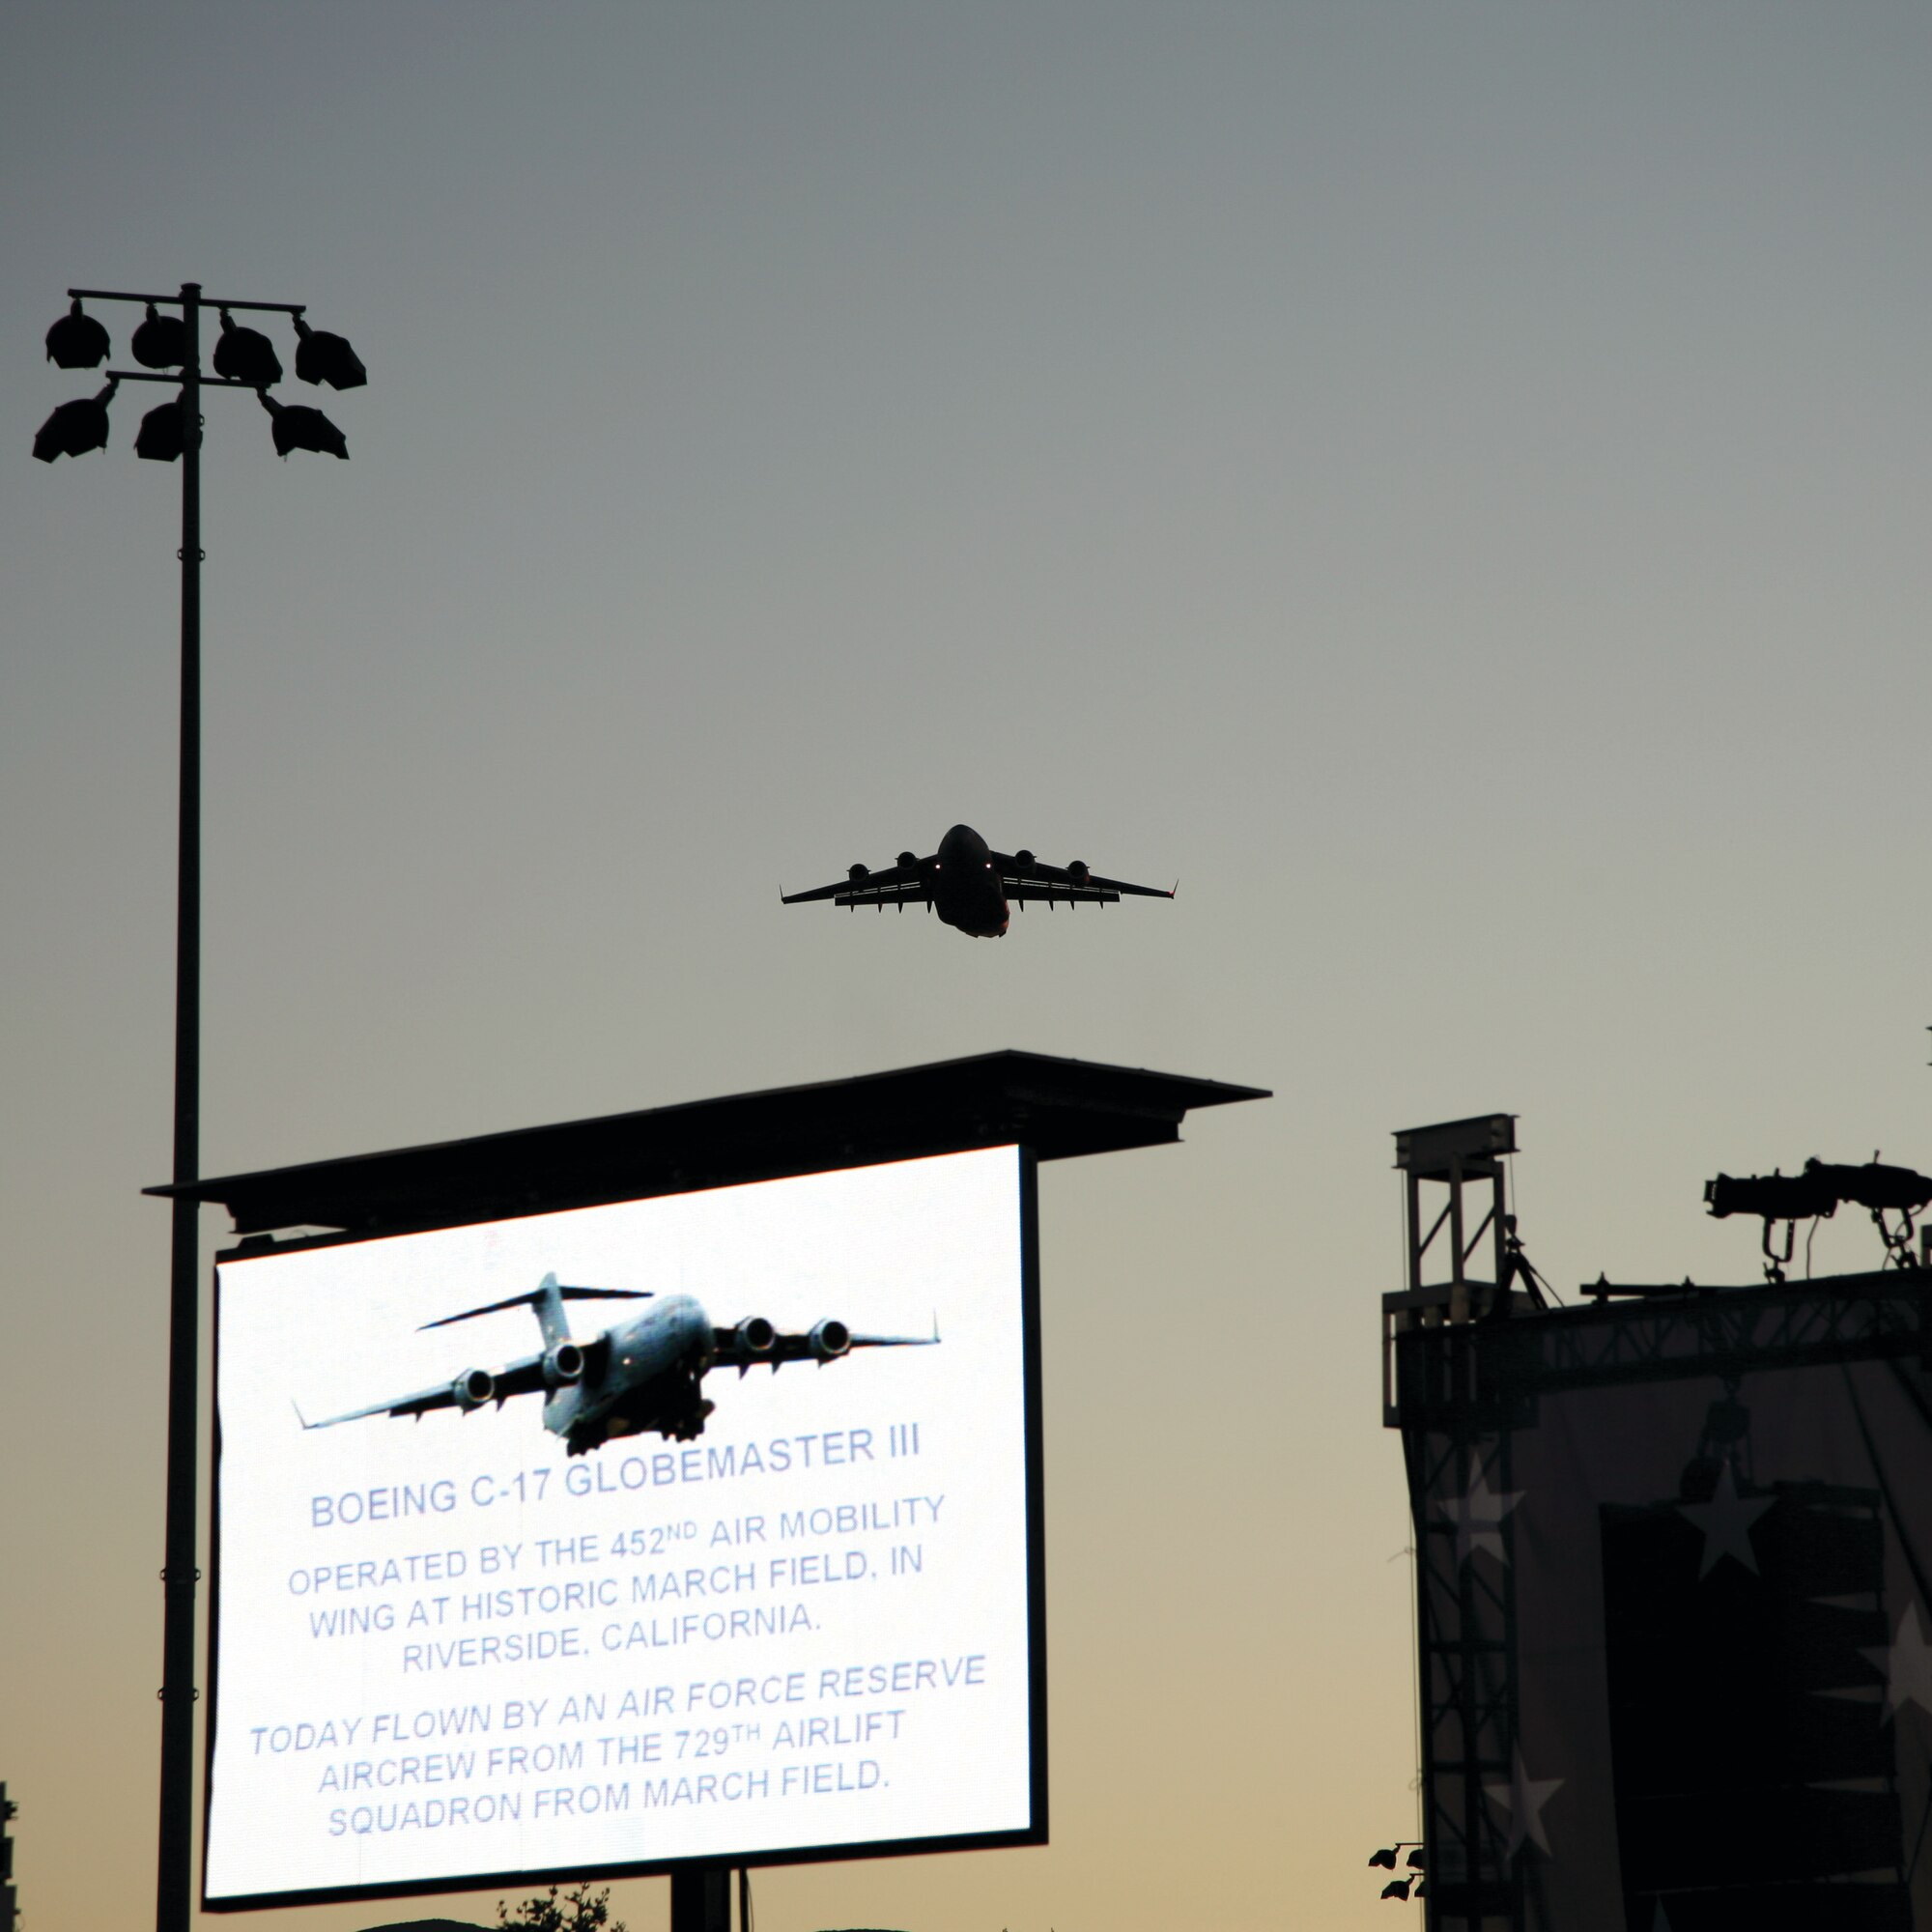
[1446,482]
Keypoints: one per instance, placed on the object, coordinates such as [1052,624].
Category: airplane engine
[830,1340]
[910,859]
[756,1336]
[1076,870]
[1024,860]
[472,1388]
[562,1365]
[857,873]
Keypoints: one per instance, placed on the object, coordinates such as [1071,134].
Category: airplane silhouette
[639,1375]
[971,887]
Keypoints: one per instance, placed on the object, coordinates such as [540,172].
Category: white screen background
[935,1745]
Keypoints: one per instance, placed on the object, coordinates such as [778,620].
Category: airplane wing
[755,1341]
[1025,878]
[890,884]
[473,1388]
[1026,892]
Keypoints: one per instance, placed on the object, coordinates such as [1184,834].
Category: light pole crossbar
[206,382]
[175,300]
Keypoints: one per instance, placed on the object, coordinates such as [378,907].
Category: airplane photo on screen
[637,1375]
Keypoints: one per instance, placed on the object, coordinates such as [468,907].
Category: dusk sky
[1445,482]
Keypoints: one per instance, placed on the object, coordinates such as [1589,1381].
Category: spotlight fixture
[76,341]
[1773,1197]
[161,341]
[76,427]
[245,354]
[297,426]
[323,357]
[1385,1858]
[1396,1887]
[1874,1185]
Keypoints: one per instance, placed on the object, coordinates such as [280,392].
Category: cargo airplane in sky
[971,887]
[639,1375]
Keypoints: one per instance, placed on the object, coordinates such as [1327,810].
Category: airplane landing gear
[689,1426]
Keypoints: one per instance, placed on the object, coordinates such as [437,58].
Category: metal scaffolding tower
[1456,1442]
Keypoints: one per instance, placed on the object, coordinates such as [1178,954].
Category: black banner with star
[1673,1613]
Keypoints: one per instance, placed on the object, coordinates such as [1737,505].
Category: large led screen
[702,1526]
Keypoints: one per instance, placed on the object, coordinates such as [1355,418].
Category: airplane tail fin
[551,1318]
[547,1299]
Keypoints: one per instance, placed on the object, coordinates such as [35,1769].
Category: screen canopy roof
[1056,1107]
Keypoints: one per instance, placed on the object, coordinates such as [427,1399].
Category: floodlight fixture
[76,341]
[325,358]
[161,341]
[160,438]
[245,354]
[76,427]
[297,426]
[1385,1858]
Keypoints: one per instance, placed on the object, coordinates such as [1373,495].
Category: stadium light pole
[175,1863]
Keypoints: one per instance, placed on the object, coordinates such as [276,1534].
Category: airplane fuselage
[965,885]
[649,1380]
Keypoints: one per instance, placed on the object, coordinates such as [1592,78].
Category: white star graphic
[1726,1521]
[1907,1664]
[1523,1797]
[1478,1519]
